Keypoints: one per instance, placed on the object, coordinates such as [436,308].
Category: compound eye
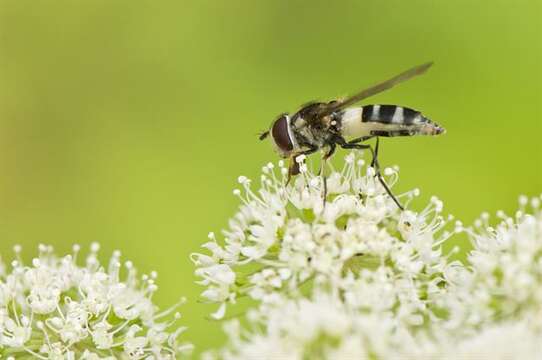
[281,135]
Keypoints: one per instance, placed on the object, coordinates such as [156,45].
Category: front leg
[293,167]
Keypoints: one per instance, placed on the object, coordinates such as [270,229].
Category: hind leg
[374,164]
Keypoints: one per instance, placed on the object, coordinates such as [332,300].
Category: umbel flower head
[54,308]
[504,279]
[358,278]
[284,236]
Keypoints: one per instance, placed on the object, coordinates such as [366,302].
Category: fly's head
[282,136]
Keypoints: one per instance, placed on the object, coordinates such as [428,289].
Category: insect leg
[374,164]
[330,152]
[293,168]
[348,145]
[360,139]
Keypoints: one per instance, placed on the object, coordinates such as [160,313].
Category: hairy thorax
[312,134]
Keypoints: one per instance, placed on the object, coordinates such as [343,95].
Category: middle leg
[330,152]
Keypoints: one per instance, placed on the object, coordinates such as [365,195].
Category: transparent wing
[373,90]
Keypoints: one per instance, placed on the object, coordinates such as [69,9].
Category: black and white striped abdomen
[391,114]
[386,120]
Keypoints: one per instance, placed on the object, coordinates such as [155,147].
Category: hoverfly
[326,125]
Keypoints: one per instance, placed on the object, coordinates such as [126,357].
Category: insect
[326,125]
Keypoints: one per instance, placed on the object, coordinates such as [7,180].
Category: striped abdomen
[386,120]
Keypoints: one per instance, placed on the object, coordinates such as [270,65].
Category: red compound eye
[281,135]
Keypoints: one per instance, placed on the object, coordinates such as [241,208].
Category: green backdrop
[128,122]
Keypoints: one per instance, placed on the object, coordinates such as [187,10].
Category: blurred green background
[128,122]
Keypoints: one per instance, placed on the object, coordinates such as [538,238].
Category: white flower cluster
[355,277]
[503,279]
[357,254]
[56,309]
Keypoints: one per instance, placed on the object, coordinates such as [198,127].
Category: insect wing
[373,90]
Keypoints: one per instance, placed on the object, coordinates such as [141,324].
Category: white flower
[282,229]
[56,309]
[323,327]
[356,278]
[509,340]
[505,278]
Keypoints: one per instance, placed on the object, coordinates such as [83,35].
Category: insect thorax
[312,133]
